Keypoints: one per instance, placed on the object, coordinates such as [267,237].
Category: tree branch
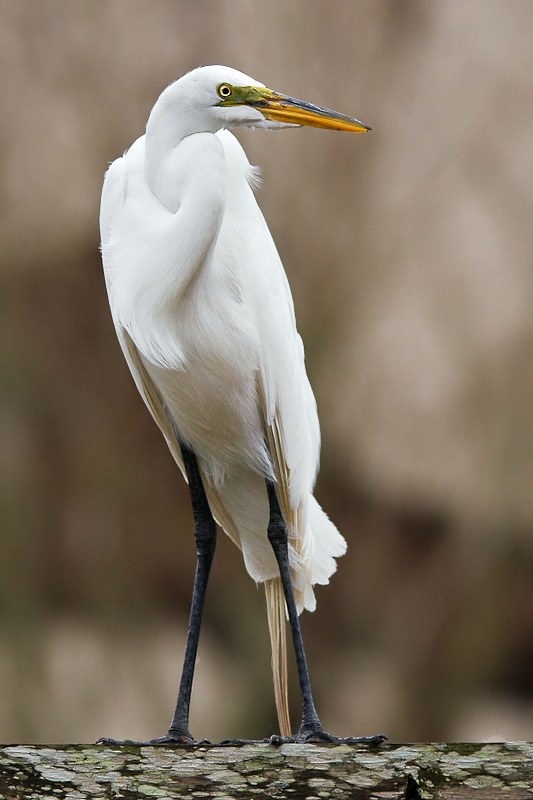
[132,772]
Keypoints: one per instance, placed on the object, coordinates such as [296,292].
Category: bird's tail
[276,613]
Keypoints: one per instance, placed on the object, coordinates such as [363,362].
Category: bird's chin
[273,125]
[241,117]
[255,119]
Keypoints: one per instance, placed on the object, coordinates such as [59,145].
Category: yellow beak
[282,108]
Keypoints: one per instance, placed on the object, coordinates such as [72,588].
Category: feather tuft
[276,614]
[255,180]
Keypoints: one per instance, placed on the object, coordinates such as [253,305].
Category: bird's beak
[281,108]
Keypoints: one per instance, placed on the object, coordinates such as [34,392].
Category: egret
[204,315]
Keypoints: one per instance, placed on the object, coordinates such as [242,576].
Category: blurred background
[409,255]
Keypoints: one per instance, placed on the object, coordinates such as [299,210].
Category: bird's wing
[166,424]
[287,401]
[114,194]
[124,180]
[285,396]
[159,412]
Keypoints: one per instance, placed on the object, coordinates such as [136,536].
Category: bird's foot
[168,740]
[240,742]
[320,736]
[311,736]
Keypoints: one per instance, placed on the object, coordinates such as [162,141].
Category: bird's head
[217,97]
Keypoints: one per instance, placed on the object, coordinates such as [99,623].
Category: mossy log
[406,771]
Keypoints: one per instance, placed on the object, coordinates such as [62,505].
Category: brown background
[409,255]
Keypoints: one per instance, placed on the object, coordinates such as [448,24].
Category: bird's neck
[161,141]
[168,124]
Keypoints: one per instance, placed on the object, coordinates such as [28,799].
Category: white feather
[205,318]
[204,314]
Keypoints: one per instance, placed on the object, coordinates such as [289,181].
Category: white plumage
[204,316]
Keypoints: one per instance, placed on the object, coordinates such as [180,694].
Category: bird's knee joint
[277,533]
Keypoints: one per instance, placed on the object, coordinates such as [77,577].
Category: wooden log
[298,771]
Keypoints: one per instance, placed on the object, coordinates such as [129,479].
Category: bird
[204,315]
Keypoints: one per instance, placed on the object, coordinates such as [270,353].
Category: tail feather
[276,614]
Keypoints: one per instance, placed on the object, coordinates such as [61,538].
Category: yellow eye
[225,90]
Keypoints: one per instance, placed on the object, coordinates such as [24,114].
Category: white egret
[204,316]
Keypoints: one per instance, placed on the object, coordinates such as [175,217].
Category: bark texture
[406,771]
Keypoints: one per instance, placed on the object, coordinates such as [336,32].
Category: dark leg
[310,729]
[278,537]
[205,534]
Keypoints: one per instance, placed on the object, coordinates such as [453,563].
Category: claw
[168,740]
[378,739]
[106,740]
[278,740]
[320,736]
[239,742]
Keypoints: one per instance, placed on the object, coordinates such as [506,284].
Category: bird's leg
[278,537]
[310,729]
[205,535]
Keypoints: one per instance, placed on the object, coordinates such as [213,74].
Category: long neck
[187,175]
[171,120]
[172,248]
[185,169]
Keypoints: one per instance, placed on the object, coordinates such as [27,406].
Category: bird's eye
[224,91]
